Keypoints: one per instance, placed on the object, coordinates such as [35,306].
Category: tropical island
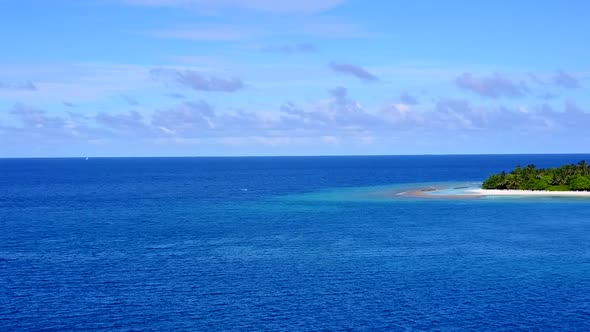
[565,178]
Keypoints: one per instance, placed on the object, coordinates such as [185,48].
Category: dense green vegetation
[565,178]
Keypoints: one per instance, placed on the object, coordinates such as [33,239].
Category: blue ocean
[285,244]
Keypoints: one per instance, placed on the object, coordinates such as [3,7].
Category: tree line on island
[565,178]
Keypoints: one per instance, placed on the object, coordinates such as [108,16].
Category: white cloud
[76,83]
[330,140]
[494,86]
[566,80]
[19,86]
[273,6]
[197,81]
[264,28]
[354,70]
[209,33]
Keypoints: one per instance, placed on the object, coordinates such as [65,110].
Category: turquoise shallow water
[313,244]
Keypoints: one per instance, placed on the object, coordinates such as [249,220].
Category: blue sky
[321,77]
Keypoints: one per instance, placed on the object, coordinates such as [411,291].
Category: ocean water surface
[285,243]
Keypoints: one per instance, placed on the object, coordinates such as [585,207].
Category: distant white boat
[86,158]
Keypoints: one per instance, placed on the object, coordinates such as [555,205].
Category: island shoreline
[517,192]
[477,193]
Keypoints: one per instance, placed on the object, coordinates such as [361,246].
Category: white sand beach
[496,192]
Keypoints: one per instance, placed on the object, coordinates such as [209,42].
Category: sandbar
[433,192]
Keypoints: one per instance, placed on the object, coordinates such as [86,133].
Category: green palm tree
[583,167]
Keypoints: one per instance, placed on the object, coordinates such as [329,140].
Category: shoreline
[478,193]
[514,192]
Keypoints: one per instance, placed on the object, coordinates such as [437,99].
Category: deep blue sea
[285,244]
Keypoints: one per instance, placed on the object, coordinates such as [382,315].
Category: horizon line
[309,156]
